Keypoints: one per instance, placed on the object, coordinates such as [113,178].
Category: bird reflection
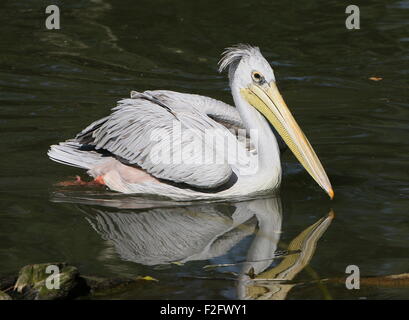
[161,236]
[156,235]
[258,282]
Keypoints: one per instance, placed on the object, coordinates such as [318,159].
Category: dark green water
[55,82]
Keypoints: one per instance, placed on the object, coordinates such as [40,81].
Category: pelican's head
[252,74]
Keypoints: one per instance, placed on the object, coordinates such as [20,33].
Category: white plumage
[187,146]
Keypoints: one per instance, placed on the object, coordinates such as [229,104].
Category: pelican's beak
[268,101]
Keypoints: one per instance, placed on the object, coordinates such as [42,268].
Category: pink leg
[98,181]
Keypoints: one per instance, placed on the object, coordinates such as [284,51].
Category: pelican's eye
[257,77]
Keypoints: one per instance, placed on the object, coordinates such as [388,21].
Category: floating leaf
[147,278]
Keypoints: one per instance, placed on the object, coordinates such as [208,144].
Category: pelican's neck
[269,165]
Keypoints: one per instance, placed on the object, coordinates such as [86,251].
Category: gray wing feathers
[69,153]
[217,110]
[141,129]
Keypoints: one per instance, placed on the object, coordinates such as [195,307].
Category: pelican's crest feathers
[233,55]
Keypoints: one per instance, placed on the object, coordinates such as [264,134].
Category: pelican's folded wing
[168,138]
[221,112]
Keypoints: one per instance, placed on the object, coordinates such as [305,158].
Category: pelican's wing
[217,110]
[221,112]
[164,134]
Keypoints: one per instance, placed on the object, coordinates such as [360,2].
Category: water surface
[55,82]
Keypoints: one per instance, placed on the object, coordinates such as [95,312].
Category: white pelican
[121,150]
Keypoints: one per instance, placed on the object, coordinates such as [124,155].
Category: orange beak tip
[331,193]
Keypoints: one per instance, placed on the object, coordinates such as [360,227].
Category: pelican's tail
[75,154]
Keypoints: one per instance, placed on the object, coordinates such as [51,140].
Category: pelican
[149,143]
